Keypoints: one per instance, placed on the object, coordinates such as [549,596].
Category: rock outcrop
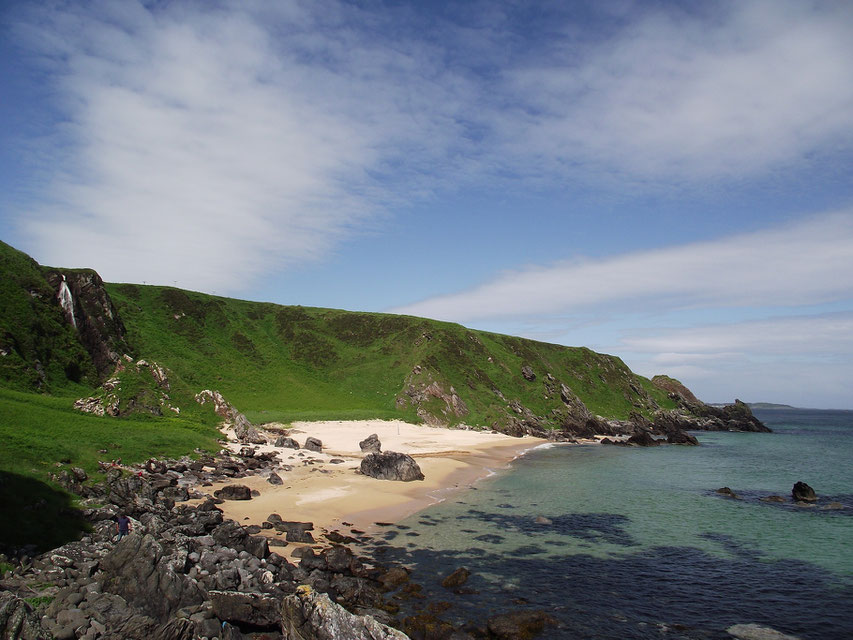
[308,615]
[391,465]
[801,492]
[99,327]
[244,431]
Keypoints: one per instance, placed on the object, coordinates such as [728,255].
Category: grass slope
[282,363]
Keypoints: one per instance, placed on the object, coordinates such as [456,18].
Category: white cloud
[212,144]
[810,262]
[675,96]
[207,146]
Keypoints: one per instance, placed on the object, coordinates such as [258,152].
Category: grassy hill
[274,363]
[284,363]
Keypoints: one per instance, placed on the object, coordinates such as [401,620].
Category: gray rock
[313,444]
[287,443]
[308,615]
[296,531]
[234,492]
[275,479]
[255,609]
[801,492]
[371,444]
[528,374]
[391,466]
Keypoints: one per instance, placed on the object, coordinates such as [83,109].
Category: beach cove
[326,488]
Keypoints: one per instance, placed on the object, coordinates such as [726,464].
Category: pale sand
[330,494]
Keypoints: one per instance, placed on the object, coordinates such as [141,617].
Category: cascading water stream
[66,301]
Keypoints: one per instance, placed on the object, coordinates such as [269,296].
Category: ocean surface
[635,542]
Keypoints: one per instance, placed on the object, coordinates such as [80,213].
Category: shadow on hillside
[34,513]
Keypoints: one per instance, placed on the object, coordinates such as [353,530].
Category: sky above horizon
[669,182]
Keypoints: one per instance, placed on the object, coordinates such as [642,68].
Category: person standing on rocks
[122,526]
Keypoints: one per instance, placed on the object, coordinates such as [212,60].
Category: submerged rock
[725,491]
[519,625]
[756,632]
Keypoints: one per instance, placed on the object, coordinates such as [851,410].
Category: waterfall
[66,302]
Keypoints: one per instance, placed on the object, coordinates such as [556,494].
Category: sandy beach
[326,489]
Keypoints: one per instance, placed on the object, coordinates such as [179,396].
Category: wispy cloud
[212,143]
[809,262]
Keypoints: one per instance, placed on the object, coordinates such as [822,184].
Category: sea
[621,543]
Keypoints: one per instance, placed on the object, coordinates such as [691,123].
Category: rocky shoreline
[185,571]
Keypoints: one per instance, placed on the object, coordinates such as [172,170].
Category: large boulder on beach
[801,492]
[234,492]
[286,442]
[371,444]
[391,465]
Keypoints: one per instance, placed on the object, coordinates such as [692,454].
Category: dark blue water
[635,543]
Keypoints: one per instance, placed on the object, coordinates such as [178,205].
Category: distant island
[757,405]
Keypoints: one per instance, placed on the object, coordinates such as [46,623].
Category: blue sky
[670,182]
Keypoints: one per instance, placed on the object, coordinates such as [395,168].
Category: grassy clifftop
[282,363]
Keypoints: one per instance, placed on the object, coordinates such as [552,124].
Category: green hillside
[283,363]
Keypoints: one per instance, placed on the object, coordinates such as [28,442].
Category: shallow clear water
[635,543]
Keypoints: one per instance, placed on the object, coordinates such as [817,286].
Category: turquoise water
[634,543]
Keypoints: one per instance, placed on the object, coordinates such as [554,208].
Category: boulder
[274,478]
[681,437]
[234,492]
[296,531]
[802,492]
[287,443]
[644,439]
[254,609]
[528,374]
[456,579]
[371,444]
[391,466]
[308,615]
[313,444]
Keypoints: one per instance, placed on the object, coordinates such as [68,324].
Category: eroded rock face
[391,466]
[308,615]
[139,566]
[98,324]
[244,431]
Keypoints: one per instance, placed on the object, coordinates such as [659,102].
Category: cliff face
[99,327]
[693,414]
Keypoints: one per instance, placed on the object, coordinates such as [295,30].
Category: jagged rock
[255,609]
[141,571]
[528,373]
[519,625]
[313,444]
[681,437]
[234,492]
[371,444]
[644,439]
[391,466]
[801,492]
[288,443]
[18,621]
[456,579]
[308,615]
[757,632]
